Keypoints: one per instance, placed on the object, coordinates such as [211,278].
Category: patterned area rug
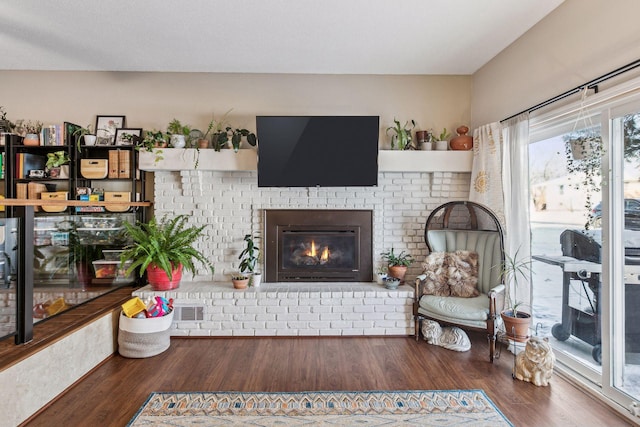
[322,408]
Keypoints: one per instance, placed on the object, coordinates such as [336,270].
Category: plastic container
[133,307]
[112,254]
[104,269]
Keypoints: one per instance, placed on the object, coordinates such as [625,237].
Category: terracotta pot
[203,143]
[159,280]
[462,141]
[31,139]
[240,283]
[517,328]
[398,271]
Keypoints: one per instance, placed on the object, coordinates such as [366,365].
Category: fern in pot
[163,250]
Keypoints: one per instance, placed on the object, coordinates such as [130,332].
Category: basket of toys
[144,329]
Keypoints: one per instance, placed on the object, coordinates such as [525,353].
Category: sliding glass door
[584,167]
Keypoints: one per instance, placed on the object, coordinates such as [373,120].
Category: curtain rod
[592,84]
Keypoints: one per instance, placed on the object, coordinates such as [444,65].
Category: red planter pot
[159,281]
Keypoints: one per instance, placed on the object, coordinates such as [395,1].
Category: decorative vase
[31,139]
[517,328]
[462,141]
[240,283]
[398,271]
[178,141]
[159,280]
[64,172]
[90,140]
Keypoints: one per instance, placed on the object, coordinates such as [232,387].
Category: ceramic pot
[203,143]
[178,141]
[380,278]
[159,280]
[256,279]
[462,141]
[240,283]
[426,146]
[441,145]
[517,328]
[31,139]
[90,140]
[398,271]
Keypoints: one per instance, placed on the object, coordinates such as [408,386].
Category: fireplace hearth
[318,245]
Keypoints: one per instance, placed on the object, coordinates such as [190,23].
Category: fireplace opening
[318,245]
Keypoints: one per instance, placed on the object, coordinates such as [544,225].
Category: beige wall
[577,42]
[151,100]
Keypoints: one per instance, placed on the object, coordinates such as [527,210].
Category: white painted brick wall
[358,309]
[232,205]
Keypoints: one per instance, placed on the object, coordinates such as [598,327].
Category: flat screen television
[317,151]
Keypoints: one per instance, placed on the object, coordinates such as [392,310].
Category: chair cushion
[451,273]
[473,309]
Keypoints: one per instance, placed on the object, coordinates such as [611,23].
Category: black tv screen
[312,151]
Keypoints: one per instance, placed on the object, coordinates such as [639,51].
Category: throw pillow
[436,271]
[462,273]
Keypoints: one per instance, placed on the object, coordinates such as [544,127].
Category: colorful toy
[159,307]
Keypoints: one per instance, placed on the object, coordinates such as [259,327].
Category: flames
[313,252]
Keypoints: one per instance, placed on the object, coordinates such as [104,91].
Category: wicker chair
[469,226]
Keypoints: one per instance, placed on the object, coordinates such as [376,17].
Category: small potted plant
[163,249]
[32,131]
[516,322]
[249,259]
[397,263]
[401,134]
[221,138]
[240,280]
[58,164]
[5,125]
[178,133]
[84,136]
[153,141]
[442,140]
[381,273]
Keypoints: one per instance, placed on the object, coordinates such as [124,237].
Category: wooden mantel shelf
[178,159]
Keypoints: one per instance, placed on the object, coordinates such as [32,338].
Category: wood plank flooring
[113,392]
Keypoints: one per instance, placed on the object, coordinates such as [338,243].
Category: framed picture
[128,136]
[106,127]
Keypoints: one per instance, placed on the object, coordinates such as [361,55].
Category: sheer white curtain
[500,181]
[515,180]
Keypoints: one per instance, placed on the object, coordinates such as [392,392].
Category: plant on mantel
[401,134]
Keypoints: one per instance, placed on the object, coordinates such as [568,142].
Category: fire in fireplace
[318,245]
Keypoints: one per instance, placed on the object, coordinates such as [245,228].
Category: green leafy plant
[444,135]
[165,243]
[512,270]
[57,159]
[175,127]
[249,255]
[152,142]
[402,259]
[221,138]
[79,134]
[401,134]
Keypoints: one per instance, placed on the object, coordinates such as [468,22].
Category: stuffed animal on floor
[449,337]
[535,363]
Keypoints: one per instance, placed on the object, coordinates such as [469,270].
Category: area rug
[321,408]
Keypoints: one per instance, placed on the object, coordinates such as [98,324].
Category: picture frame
[122,139]
[106,127]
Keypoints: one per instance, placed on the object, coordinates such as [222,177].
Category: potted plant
[5,124]
[516,322]
[442,142]
[163,249]
[397,263]
[84,135]
[401,134]
[153,141]
[381,273]
[58,164]
[221,138]
[178,133]
[249,258]
[32,131]
[240,280]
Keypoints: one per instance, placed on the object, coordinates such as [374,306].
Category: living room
[562,51]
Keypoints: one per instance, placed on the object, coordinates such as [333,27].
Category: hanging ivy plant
[584,150]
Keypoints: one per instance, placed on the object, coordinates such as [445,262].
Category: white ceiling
[263,36]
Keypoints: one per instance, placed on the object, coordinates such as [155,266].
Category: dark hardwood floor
[113,392]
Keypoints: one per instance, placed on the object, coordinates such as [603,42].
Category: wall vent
[188,313]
